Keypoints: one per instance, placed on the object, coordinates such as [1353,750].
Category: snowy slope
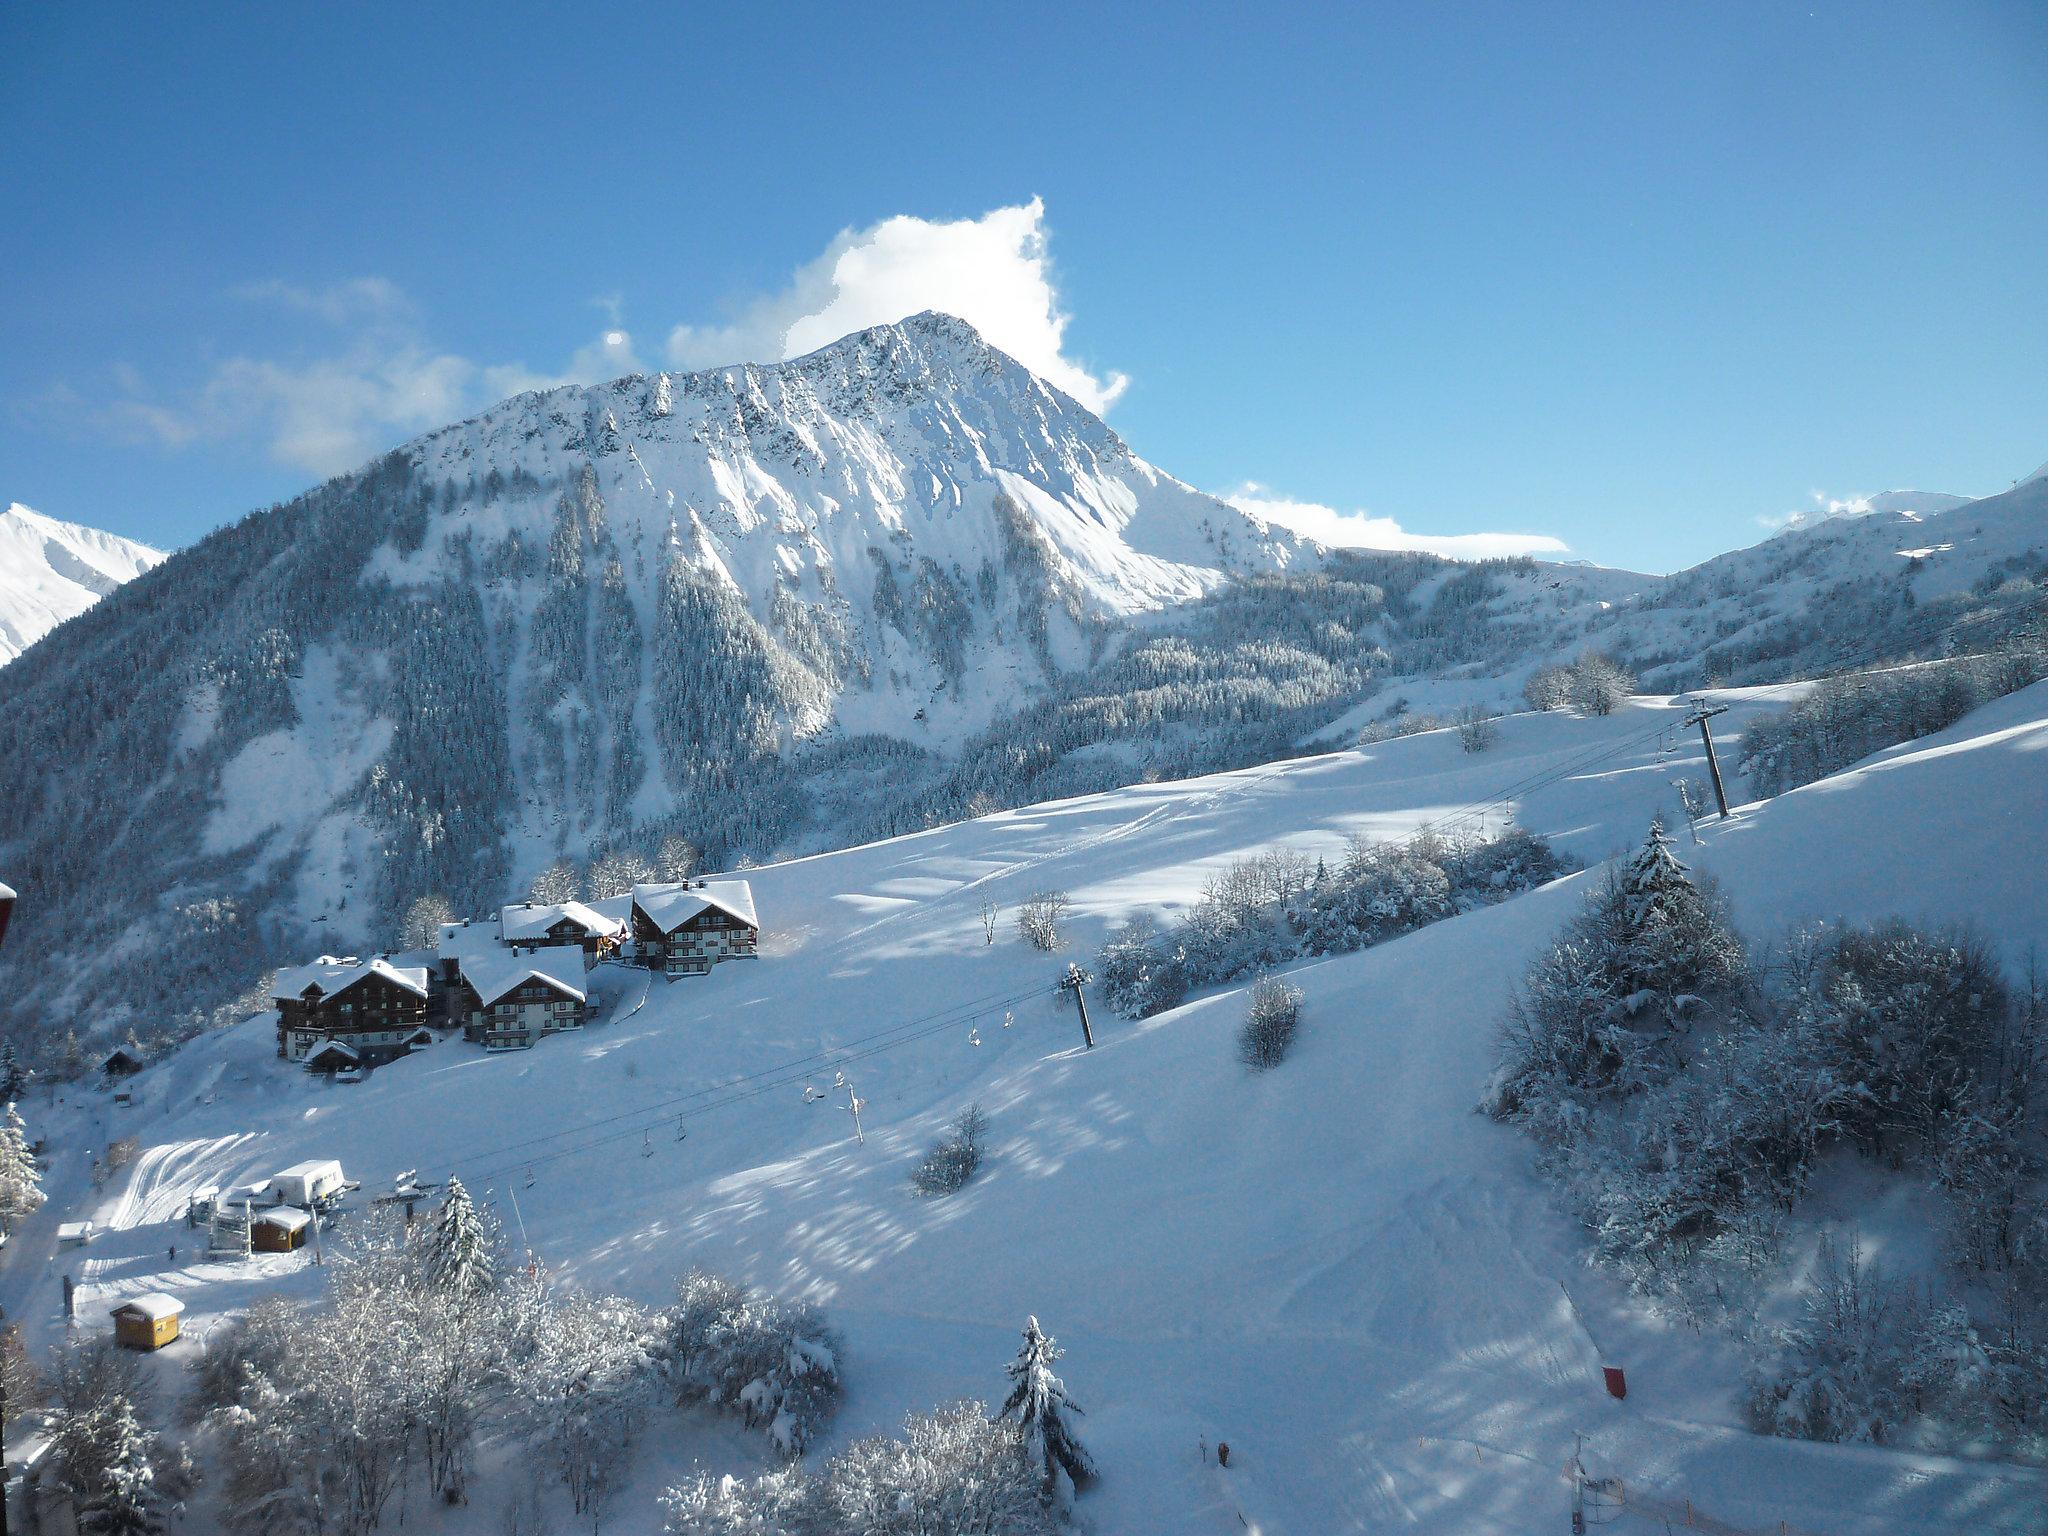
[51,571]
[1337,1267]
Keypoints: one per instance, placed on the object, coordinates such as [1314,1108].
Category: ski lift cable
[757,1085]
[953,1014]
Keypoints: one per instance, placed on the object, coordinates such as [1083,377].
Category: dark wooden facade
[373,1015]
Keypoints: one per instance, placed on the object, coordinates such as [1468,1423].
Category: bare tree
[423,921]
[990,913]
[558,883]
[1039,918]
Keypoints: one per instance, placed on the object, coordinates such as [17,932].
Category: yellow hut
[147,1322]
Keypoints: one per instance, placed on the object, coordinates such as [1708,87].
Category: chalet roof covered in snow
[460,940]
[286,1218]
[493,976]
[527,921]
[333,975]
[6,891]
[153,1307]
[668,907]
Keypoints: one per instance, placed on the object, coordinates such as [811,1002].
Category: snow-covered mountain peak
[52,570]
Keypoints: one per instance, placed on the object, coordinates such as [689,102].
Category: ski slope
[1336,1267]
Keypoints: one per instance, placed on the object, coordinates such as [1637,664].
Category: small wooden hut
[281,1230]
[147,1322]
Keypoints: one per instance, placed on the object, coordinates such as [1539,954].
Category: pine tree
[14,1077]
[129,1504]
[1040,1401]
[1672,948]
[21,1186]
[460,1251]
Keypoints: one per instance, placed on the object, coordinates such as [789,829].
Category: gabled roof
[154,1307]
[668,907]
[339,1048]
[492,976]
[528,921]
[333,976]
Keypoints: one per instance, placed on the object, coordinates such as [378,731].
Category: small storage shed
[281,1230]
[308,1183]
[74,1232]
[147,1322]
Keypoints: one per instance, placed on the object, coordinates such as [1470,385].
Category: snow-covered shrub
[1910,1018]
[1142,971]
[775,1363]
[1598,685]
[1382,890]
[1476,728]
[1039,918]
[1269,1023]
[954,1158]
[1867,1356]
[1843,719]
[1488,869]
[953,1472]
[582,1372]
[1548,688]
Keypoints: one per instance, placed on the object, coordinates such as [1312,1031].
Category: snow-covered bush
[1846,718]
[1594,685]
[1867,1356]
[775,1363]
[582,1372]
[1142,971]
[1269,1023]
[954,1158]
[953,1472]
[1381,890]
[1039,918]
[1476,728]
[1268,908]
[1910,1018]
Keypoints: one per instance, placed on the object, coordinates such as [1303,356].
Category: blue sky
[1628,277]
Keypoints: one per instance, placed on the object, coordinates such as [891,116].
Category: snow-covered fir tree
[129,1503]
[21,1185]
[14,1077]
[1039,1400]
[461,1248]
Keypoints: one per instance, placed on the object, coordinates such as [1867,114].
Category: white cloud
[371,378]
[1362,530]
[993,272]
[329,412]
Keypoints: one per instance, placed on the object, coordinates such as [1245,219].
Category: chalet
[509,1001]
[685,928]
[373,1007]
[147,1322]
[122,1061]
[533,925]
[6,908]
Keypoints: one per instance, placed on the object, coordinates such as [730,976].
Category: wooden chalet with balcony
[508,1002]
[372,1007]
[559,925]
[684,928]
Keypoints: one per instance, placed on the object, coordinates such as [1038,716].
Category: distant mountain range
[774,609]
[51,571]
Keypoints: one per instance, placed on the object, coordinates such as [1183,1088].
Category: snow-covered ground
[1337,1267]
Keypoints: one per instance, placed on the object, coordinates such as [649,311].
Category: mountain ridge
[51,570]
